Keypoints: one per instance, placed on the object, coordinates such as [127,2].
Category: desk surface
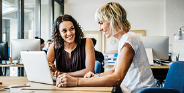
[4,65]
[152,67]
[44,88]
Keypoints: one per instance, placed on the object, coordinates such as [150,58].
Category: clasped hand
[64,80]
[91,75]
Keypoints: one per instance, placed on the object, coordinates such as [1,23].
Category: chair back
[158,90]
[175,76]
[97,68]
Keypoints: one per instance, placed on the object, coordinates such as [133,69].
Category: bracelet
[77,81]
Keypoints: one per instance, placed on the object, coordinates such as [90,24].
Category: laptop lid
[36,66]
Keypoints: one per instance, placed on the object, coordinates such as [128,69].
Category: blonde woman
[132,71]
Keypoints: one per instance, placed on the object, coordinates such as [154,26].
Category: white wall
[157,17]
[143,15]
[174,20]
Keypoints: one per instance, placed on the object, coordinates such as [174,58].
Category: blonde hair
[115,14]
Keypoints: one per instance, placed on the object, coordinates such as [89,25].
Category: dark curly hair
[57,39]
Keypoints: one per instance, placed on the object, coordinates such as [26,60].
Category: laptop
[37,67]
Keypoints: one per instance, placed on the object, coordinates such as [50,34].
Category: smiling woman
[73,53]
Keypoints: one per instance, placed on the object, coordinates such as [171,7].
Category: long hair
[57,39]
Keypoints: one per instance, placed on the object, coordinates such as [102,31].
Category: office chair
[174,82]
[158,90]
[175,76]
[116,55]
[97,67]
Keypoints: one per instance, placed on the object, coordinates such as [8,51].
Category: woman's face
[67,31]
[105,28]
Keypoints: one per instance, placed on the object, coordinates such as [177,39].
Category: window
[9,20]
[30,21]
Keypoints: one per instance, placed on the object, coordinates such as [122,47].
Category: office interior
[25,19]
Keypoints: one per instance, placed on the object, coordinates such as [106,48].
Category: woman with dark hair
[73,53]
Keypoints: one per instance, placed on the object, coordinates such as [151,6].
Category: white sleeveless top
[139,75]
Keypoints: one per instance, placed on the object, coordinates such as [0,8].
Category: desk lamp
[180,34]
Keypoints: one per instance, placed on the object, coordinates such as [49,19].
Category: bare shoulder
[88,40]
[51,48]
[52,45]
[89,44]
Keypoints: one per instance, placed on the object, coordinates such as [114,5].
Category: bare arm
[114,79]
[51,58]
[51,54]
[92,75]
[89,62]
[120,70]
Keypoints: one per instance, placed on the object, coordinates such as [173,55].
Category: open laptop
[36,66]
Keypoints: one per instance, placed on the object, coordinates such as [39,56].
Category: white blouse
[139,75]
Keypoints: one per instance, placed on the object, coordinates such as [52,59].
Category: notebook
[36,66]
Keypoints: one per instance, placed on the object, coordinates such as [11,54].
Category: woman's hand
[91,75]
[66,80]
[55,74]
[52,67]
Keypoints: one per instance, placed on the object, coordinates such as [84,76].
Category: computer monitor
[4,51]
[159,45]
[18,45]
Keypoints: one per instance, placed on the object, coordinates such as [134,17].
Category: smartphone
[21,85]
